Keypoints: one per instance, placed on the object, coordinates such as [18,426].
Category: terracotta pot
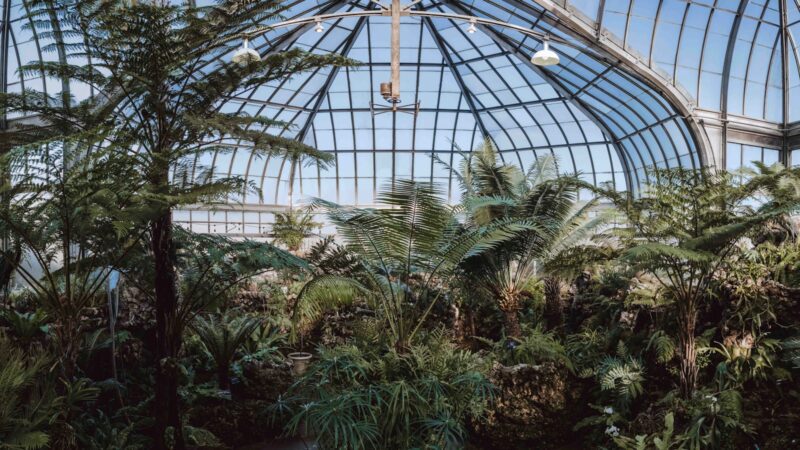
[300,361]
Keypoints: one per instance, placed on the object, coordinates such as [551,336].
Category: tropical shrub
[406,251]
[355,398]
[291,228]
[222,337]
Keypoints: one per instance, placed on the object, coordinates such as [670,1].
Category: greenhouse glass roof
[641,84]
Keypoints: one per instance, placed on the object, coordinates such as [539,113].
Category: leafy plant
[25,326]
[26,407]
[32,414]
[739,365]
[359,399]
[663,441]
[623,377]
[406,248]
[292,227]
[683,230]
[714,417]
[222,338]
[533,347]
[662,345]
[554,248]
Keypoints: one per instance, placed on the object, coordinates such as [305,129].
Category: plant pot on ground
[300,362]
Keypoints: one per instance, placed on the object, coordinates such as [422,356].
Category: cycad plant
[553,249]
[161,70]
[222,337]
[684,229]
[406,250]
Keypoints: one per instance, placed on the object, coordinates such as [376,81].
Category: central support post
[396,9]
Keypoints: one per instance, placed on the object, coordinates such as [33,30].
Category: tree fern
[623,378]
[663,346]
[683,230]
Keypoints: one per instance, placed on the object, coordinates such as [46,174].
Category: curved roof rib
[601,112]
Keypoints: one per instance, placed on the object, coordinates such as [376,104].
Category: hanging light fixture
[319,28]
[545,56]
[471,29]
[246,55]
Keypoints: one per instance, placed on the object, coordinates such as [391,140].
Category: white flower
[608,410]
[612,431]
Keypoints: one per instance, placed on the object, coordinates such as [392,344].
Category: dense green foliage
[365,397]
[540,312]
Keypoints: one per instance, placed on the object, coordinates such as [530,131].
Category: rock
[264,381]
[533,408]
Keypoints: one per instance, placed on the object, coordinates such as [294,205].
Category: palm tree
[161,71]
[494,191]
[405,249]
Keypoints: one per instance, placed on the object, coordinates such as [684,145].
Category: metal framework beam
[726,74]
[403,11]
[437,38]
[5,32]
[785,78]
[566,20]
[560,88]
[329,81]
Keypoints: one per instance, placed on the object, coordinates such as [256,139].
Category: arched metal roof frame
[519,44]
[649,149]
[478,117]
[758,106]
[567,19]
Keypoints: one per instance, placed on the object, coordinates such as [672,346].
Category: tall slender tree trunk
[687,316]
[223,377]
[553,303]
[168,335]
[509,304]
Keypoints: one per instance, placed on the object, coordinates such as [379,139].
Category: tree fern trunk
[687,316]
[168,335]
[553,305]
[223,377]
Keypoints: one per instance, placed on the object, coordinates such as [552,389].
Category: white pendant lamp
[246,55]
[545,56]
[472,29]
